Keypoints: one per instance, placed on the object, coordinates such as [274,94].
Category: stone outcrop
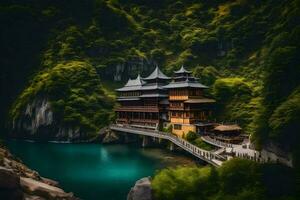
[141,190]
[18,182]
[37,122]
[31,186]
[38,113]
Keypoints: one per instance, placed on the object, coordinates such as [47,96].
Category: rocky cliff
[37,122]
[18,182]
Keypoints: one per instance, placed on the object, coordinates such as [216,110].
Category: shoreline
[164,157]
[18,181]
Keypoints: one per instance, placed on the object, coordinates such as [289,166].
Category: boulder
[10,188]
[141,190]
[44,190]
[8,179]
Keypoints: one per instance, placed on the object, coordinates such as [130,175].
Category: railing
[205,155]
[138,108]
[145,120]
[217,143]
[243,151]
[176,108]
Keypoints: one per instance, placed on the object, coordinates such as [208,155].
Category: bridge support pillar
[172,146]
[145,141]
[126,138]
[160,140]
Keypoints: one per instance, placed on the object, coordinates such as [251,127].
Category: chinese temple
[159,101]
[144,101]
[189,110]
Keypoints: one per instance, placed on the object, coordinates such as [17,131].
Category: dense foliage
[236,179]
[75,93]
[248,50]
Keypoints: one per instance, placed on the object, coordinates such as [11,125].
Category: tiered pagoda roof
[185,84]
[133,85]
[141,84]
[150,87]
[183,79]
[182,70]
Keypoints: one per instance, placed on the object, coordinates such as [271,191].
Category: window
[180,114]
[177,126]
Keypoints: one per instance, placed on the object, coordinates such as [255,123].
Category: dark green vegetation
[236,180]
[248,50]
[75,93]
[196,140]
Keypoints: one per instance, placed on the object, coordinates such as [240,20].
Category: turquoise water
[94,171]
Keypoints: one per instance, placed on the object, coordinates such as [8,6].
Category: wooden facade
[188,106]
[143,101]
[156,100]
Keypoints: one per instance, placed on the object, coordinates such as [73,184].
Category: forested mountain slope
[54,51]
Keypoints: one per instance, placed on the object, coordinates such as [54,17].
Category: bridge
[210,157]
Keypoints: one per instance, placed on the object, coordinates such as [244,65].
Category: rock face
[18,182]
[141,190]
[37,114]
[37,122]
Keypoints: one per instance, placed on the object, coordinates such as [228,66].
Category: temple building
[228,133]
[144,101]
[159,101]
[189,110]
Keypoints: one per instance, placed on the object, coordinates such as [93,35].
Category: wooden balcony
[139,109]
[178,98]
[180,120]
[139,122]
[176,108]
[145,120]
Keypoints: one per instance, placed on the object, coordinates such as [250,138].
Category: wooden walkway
[207,156]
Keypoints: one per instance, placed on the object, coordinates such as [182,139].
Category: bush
[203,145]
[191,136]
[181,183]
[236,179]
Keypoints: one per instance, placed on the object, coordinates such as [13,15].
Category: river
[95,171]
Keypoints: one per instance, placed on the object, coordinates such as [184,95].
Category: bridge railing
[187,146]
[215,142]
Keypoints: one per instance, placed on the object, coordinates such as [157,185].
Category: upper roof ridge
[157,74]
[182,70]
[135,82]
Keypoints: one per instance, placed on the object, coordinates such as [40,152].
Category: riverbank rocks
[44,190]
[9,185]
[141,190]
[18,182]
